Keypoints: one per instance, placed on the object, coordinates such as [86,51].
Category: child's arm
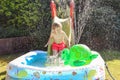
[51,36]
[66,39]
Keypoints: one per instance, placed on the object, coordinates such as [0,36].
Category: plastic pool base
[31,66]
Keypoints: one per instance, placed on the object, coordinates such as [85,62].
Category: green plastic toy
[77,55]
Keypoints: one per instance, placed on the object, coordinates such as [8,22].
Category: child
[60,39]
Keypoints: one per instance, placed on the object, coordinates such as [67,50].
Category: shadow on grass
[109,55]
[112,59]
[4,60]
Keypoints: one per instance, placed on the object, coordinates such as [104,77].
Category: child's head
[56,25]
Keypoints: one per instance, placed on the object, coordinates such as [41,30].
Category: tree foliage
[25,18]
[19,14]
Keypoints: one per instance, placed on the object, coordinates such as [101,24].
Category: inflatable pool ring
[77,55]
[31,66]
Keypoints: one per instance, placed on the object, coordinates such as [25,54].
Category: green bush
[26,18]
[42,30]
[18,16]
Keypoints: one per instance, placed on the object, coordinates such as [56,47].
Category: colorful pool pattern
[22,68]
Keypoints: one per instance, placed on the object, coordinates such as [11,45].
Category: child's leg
[55,49]
[55,56]
[59,59]
[55,53]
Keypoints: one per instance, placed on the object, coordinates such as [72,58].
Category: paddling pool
[32,66]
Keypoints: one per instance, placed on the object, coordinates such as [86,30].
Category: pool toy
[77,55]
[32,66]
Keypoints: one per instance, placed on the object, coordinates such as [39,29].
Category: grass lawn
[4,60]
[112,59]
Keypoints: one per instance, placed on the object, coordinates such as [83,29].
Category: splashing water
[99,20]
[83,9]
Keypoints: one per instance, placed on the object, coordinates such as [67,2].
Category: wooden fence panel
[14,45]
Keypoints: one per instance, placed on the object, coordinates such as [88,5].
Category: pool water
[40,59]
[36,59]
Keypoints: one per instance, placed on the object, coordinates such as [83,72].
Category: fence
[14,45]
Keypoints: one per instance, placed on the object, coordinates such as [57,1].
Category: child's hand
[68,44]
[46,45]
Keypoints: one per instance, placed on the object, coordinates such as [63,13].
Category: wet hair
[56,25]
